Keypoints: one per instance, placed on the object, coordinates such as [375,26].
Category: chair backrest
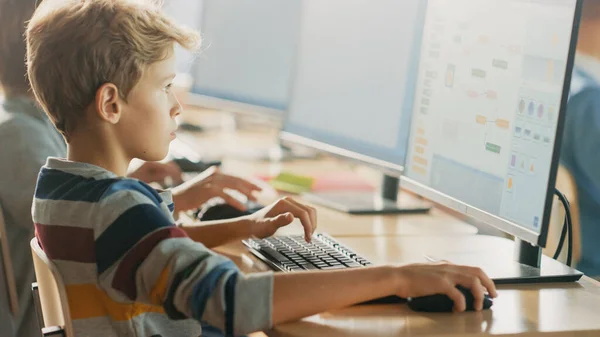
[53,296]
[566,184]
[9,273]
[46,331]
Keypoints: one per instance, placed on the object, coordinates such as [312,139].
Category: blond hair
[76,46]
[13,19]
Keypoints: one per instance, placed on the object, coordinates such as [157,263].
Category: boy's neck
[589,41]
[98,151]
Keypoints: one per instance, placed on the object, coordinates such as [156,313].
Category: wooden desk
[524,310]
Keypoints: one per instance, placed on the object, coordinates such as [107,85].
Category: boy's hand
[210,184]
[281,213]
[442,278]
[156,172]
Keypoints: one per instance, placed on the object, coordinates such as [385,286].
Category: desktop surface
[559,309]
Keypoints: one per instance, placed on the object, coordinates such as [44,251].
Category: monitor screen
[187,13]
[352,86]
[492,84]
[247,52]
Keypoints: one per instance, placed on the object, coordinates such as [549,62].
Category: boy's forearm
[180,201]
[217,233]
[297,295]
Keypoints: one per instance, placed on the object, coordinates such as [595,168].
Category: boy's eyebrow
[169,77]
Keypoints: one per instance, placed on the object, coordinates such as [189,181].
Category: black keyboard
[292,253]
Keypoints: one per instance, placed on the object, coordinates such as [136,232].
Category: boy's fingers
[240,185]
[286,205]
[478,295]
[282,220]
[311,211]
[485,280]
[232,201]
[457,297]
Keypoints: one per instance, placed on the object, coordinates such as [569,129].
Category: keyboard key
[274,254]
[309,267]
[334,267]
[353,264]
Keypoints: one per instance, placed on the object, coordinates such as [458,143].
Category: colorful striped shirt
[128,270]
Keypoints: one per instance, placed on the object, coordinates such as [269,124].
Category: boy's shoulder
[81,182]
[81,195]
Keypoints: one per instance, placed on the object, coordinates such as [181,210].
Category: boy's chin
[153,156]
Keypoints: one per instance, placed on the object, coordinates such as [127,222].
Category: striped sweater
[128,270]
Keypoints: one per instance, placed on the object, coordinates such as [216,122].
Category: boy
[102,70]
[28,138]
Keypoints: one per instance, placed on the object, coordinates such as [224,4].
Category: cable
[567,229]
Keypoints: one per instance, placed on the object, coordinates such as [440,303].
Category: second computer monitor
[352,86]
[247,55]
[352,91]
[487,120]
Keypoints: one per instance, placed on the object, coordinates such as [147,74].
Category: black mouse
[224,211]
[443,303]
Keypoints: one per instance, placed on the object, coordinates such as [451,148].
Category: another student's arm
[261,224]
[27,145]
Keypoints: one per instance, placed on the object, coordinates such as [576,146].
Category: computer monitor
[247,55]
[189,14]
[352,90]
[491,93]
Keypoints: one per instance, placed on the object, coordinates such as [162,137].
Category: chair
[52,294]
[566,184]
[9,273]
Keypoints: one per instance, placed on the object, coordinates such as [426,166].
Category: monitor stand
[531,266]
[363,203]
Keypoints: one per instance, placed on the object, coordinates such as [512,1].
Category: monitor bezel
[195,98]
[497,221]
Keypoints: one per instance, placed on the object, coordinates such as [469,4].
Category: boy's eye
[168,87]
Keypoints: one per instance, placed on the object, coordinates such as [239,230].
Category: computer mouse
[443,303]
[223,211]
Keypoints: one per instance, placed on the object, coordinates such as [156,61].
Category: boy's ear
[108,104]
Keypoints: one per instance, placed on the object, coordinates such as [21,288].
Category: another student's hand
[210,184]
[156,172]
[442,278]
[281,213]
